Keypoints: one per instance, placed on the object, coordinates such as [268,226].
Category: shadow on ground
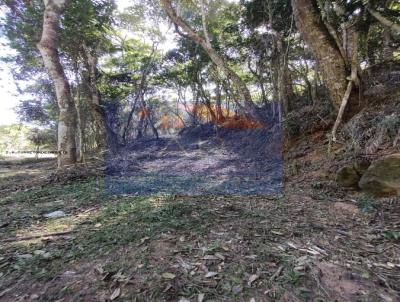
[171,248]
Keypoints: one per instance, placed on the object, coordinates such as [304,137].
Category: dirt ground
[315,242]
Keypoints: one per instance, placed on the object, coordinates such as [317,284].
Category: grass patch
[118,221]
[137,218]
[82,190]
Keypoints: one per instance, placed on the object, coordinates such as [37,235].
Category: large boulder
[382,178]
[349,176]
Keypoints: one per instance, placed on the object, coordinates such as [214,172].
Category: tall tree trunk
[76,94]
[387,51]
[285,85]
[67,112]
[98,112]
[286,94]
[285,88]
[275,78]
[79,126]
[316,35]
[249,107]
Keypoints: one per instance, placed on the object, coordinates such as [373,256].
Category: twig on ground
[36,236]
[277,273]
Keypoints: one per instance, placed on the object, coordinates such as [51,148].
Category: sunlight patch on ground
[70,223]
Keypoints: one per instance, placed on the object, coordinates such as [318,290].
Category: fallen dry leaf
[167,288]
[210,257]
[252,278]
[143,240]
[99,269]
[200,297]
[168,276]
[225,248]
[211,274]
[116,293]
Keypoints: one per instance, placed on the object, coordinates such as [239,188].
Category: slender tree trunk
[285,87]
[275,78]
[316,35]
[286,94]
[140,127]
[76,94]
[98,112]
[218,103]
[194,113]
[249,107]
[387,51]
[259,76]
[130,117]
[79,126]
[152,125]
[138,96]
[353,80]
[67,112]
[206,100]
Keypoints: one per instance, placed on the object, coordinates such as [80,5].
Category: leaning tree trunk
[67,112]
[316,35]
[249,107]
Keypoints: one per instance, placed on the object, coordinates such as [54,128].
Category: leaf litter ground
[314,243]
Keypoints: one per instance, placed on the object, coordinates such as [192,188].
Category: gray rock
[383,176]
[55,214]
[348,177]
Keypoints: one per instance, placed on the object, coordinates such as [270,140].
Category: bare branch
[383,20]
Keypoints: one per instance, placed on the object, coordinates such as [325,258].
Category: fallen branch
[383,20]
[36,236]
[277,273]
[353,80]
[341,110]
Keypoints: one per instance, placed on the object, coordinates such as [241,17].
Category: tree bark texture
[316,35]
[67,118]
